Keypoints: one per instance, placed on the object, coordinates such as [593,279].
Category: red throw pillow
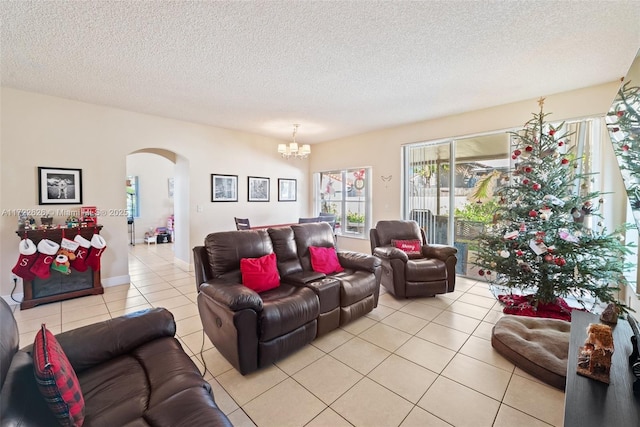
[413,248]
[57,380]
[260,274]
[324,260]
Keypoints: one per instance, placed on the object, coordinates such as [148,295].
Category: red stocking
[48,250]
[98,245]
[27,257]
[82,254]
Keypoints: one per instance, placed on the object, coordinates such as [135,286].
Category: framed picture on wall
[258,189]
[59,186]
[224,188]
[287,190]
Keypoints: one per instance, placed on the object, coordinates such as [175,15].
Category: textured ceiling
[338,68]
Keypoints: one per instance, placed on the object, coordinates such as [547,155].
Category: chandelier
[292,150]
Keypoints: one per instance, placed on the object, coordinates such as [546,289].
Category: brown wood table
[592,403]
[264,227]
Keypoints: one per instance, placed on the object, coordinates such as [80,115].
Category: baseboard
[115,281]
[11,302]
[182,264]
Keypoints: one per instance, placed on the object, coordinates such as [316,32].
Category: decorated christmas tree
[623,121]
[547,241]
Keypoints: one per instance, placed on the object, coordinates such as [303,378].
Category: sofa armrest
[94,344]
[388,252]
[235,296]
[441,252]
[358,261]
[303,277]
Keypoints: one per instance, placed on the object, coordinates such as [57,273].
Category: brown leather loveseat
[252,330]
[131,370]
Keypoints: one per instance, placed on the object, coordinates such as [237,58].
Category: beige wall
[98,139]
[39,130]
[382,149]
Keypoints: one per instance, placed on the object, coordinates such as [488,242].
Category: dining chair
[330,218]
[306,220]
[242,223]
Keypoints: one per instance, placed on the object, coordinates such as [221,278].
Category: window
[346,194]
[132,197]
[477,166]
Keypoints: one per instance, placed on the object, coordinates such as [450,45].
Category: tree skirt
[521,305]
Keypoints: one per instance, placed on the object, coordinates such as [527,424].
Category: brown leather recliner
[360,280]
[433,272]
[359,283]
[131,370]
[251,330]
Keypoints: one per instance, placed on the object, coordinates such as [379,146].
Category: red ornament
[552,132]
[536,186]
[488,272]
[616,129]
[513,156]
[525,181]
[533,213]
[527,169]
[519,252]
[560,262]
[529,148]
[560,144]
[481,272]
[565,161]
[620,113]
[625,147]
[517,153]
[548,258]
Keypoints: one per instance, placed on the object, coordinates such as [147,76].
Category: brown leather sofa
[430,273]
[131,369]
[252,330]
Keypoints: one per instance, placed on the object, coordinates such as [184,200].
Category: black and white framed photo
[224,188]
[59,186]
[258,189]
[287,190]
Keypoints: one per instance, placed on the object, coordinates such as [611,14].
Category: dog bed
[538,346]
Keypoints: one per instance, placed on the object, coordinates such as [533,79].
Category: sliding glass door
[449,188]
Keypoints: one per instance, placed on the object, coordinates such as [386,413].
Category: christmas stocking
[82,254]
[27,257]
[98,245]
[48,250]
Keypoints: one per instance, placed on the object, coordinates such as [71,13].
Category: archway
[163,190]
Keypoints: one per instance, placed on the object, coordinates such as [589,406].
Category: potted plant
[355,221]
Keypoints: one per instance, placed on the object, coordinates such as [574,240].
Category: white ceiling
[336,67]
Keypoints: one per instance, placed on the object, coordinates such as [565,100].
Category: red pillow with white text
[413,248]
[325,260]
[57,381]
[260,274]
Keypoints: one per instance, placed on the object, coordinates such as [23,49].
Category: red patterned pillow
[260,274]
[57,380]
[413,248]
[324,260]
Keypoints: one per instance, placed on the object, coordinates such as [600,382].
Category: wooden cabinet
[59,286]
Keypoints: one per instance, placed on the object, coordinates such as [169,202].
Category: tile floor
[410,362]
